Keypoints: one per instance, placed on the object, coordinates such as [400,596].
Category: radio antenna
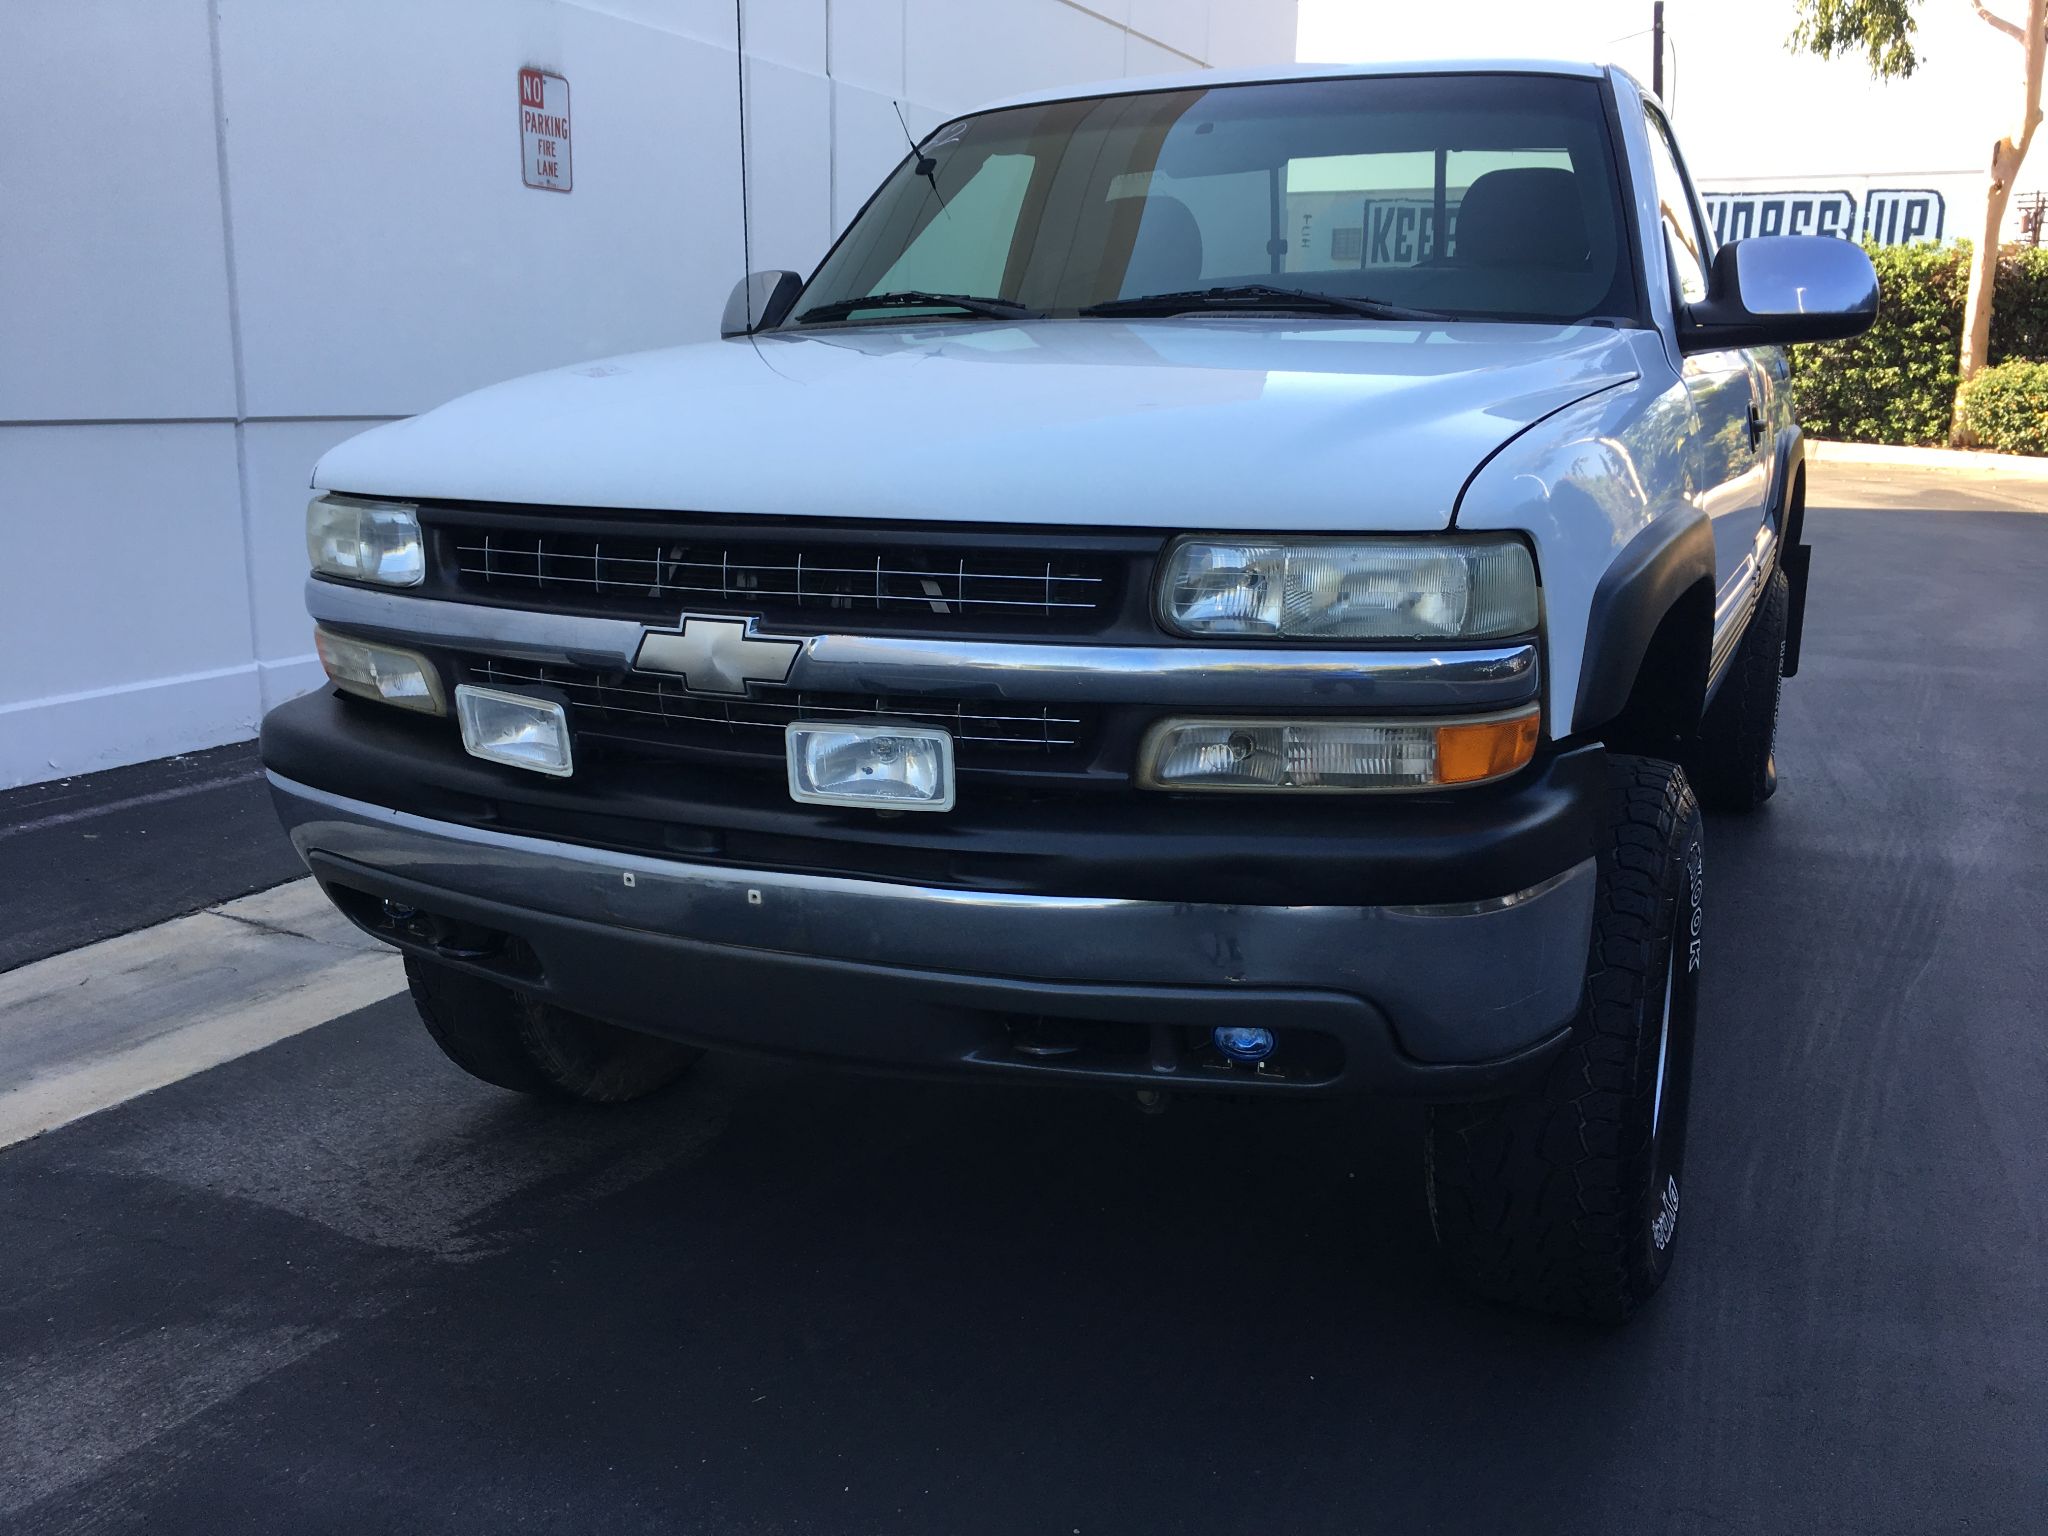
[927,167]
[739,48]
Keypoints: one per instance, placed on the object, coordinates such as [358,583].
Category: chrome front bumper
[1454,680]
[1421,998]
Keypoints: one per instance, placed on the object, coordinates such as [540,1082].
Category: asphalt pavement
[334,1285]
[85,858]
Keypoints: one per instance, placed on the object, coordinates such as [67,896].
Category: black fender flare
[1795,555]
[1649,578]
[1788,458]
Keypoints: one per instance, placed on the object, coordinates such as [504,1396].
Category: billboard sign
[1399,231]
[1888,215]
[1902,217]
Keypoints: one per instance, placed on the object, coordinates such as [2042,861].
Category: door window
[1684,236]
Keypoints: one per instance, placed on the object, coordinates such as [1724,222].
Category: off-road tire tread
[1731,768]
[469,1019]
[1532,1197]
[515,1041]
[597,1062]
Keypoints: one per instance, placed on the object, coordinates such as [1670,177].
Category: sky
[1743,105]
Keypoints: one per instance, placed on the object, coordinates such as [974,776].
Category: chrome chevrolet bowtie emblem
[717,655]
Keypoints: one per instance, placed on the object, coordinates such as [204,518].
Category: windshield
[1475,196]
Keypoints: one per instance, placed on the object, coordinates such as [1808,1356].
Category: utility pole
[1657,50]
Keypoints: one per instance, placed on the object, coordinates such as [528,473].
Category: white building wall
[235,232]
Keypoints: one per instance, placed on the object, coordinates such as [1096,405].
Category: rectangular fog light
[881,767]
[515,729]
[1335,756]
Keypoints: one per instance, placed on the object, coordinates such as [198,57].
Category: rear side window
[1381,212]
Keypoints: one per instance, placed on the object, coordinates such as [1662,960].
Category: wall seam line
[1130,31]
[831,138]
[227,243]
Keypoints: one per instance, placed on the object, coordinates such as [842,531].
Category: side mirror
[759,300]
[1774,290]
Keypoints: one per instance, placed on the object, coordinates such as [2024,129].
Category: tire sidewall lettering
[1695,890]
[1689,922]
[1665,1225]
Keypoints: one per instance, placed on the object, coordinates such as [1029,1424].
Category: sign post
[544,131]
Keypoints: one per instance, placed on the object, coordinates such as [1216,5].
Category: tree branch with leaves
[1882,31]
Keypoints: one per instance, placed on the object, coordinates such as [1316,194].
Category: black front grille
[887,578]
[641,707]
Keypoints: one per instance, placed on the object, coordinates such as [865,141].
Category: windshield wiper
[1247,296]
[911,298]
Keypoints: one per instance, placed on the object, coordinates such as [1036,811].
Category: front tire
[1565,1197]
[515,1041]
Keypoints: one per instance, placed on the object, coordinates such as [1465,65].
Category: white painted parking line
[85,1030]
[131,802]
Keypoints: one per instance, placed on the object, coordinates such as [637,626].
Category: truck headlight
[360,540]
[1349,589]
[1333,756]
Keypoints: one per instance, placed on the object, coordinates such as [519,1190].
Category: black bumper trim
[920,1022]
[1369,850]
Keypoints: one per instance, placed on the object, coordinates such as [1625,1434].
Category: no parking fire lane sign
[544,130]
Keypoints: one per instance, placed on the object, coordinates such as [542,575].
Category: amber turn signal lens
[1484,749]
[1331,756]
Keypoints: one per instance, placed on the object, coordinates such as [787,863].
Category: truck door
[1728,468]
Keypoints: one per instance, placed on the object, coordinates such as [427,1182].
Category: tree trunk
[2007,156]
[1983,280]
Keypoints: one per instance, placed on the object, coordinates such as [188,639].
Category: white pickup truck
[1223,584]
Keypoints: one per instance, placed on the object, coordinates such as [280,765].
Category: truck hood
[1197,422]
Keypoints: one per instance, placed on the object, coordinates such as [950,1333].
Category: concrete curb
[1889,456]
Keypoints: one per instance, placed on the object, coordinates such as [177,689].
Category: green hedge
[1896,383]
[2019,311]
[2006,407]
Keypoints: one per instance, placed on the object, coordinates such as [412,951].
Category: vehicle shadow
[871,1304]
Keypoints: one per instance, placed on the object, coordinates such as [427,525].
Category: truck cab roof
[1205,79]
